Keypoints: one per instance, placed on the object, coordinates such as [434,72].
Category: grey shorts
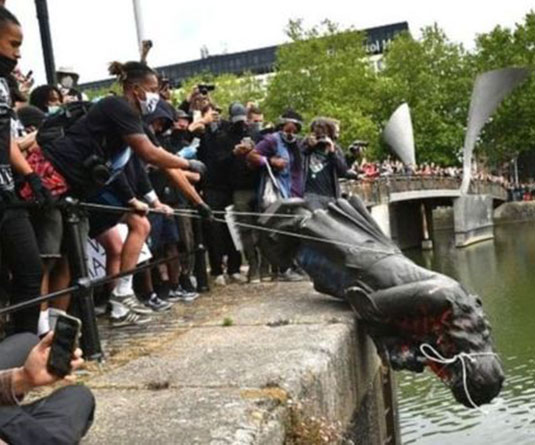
[48,228]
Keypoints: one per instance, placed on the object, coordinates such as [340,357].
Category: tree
[434,77]
[511,131]
[324,71]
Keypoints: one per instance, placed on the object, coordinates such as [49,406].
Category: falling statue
[416,317]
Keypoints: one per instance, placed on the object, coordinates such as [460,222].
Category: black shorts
[101,221]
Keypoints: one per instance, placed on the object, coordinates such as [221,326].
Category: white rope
[462,357]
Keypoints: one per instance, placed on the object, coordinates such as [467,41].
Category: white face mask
[148,106]
[53,109]
[67,82]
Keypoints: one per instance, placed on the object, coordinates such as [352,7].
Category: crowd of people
[170,173]
[389,167]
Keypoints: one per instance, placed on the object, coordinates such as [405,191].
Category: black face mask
[239,128]
[7,65]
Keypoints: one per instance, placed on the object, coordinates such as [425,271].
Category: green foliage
[102,92]
[512,129]
[324,71]
[432,75]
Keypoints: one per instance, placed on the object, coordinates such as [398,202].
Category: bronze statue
[415,316]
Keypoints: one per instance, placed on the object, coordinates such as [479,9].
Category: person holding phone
[324,163]
[63,417]
[244,181]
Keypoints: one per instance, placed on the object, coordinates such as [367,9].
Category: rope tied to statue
[435,356]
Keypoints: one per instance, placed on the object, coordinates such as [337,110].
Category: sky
[88,34]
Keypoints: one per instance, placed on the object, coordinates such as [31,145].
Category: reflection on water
[503,274]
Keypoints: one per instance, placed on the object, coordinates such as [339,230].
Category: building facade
[260,61]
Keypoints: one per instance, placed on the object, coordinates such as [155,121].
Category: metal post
[83,298]
[140,29]
[200,257]
[515,164]
[46,40]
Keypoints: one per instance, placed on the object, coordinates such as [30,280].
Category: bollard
[82,302]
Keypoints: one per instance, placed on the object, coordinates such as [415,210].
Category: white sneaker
[237,278]
[220,280]
[129,319]
[131,302]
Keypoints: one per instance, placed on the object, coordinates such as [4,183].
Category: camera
[322,142]
[205,88]
[98,169]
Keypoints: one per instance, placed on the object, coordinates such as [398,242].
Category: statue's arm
[412,299]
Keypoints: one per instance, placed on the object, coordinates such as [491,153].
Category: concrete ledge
[240,384]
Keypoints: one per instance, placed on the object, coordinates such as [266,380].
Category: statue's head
[476,376]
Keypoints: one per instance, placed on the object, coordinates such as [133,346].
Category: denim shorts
[164,231]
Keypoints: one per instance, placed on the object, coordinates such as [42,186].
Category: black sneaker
[157,304]
[186,283]
[182,295]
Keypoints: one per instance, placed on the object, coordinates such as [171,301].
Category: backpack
[55,125]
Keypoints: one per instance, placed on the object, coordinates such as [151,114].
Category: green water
[502,272]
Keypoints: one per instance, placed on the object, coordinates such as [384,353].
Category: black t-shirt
[6,174]
[320,175]
[100,132]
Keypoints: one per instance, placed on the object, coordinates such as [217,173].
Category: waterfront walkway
[268,364]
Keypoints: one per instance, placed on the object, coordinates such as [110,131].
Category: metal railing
[378,190]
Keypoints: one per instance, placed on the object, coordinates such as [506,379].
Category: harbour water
[502,273]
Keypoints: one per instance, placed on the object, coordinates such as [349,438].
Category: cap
[237,113]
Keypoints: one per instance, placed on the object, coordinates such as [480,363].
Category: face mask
[256,127]
[53,109]
[7,65]
[289,138]
[67,82]
[148,106]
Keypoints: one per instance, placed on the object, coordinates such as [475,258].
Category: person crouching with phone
[63,417]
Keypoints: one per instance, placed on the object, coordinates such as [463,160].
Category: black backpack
[55,125]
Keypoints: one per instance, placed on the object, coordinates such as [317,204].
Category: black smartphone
[64,342]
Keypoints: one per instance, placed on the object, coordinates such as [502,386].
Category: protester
[282,151]
[17,240]
[279,154]
[247,125]
[47,98]
[324,163]
[164,236]
[215,150]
